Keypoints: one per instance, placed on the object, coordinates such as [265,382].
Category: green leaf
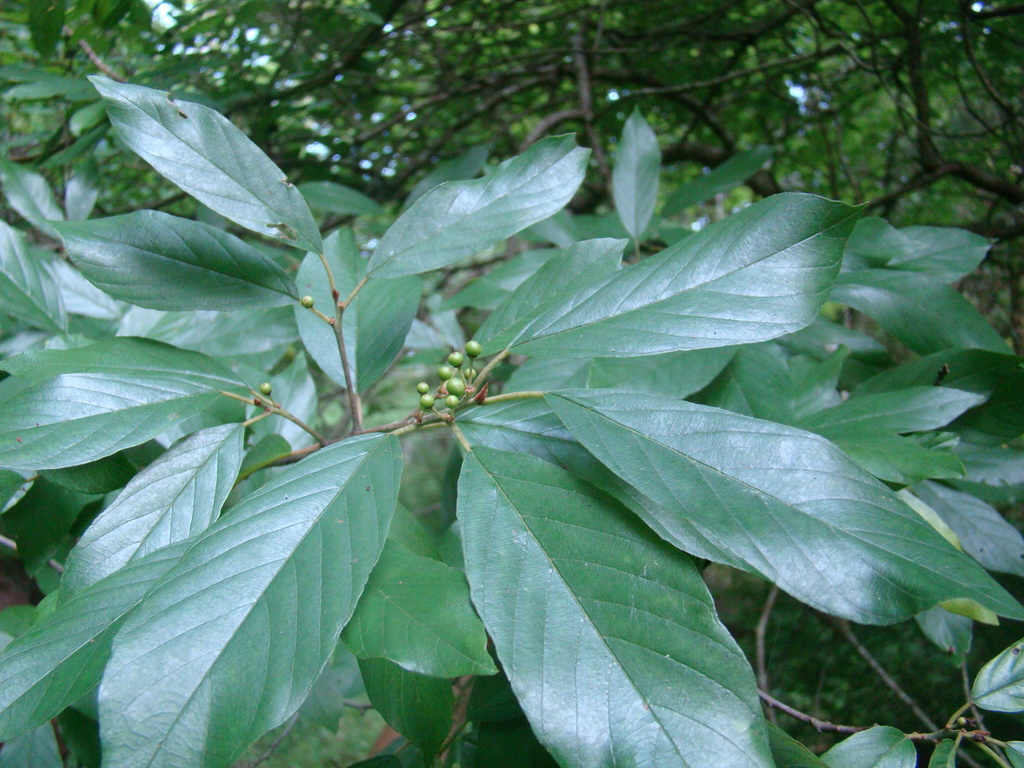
[45,22]
[599,624]
[491,288]
[375,324]
[39,523]
[1015,753]
[899,460]
[459,218]
[776,501]
[156,260]
[30,195]
[925,314]
[10,483]
[790,753]
[90,402]
[724,178]
[338,685]
[417,706]
[511,744]
[295,388]
[416,612]
[676,374]
[175,498]
[993,474]
[951,632]
[338,199]
[27,289]
[944,755]
[466,166]
[36,749]
[914,409]
[101,476]
[578,266]
[209,158]
[999,685]
[635,175]
[878,747]
[945,253]
[229,644]
[62,656]
[984,533]
[748,278]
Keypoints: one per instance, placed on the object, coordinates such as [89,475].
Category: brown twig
[819,725]
[760,631]
[94,57]
[277,741]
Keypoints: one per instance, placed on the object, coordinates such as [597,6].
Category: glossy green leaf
[90,402]
[156,260]
[945,253]
[100,476]
[744,279]
[229,644]
[787,752]
[900,460]
[578,266]
[914,409]
[878,747]
[723,178]
[466,166]
[36,749]
[951,632]
[339,684]
[30,194]
[635,175]
[600,626]
[338,199]
[375,324]
[985,534]
[1015,753]
[925,314]
[995,475]
[81,297]
[417,706]
[210,159]
[416,612]
[10,483]
[999,685]
[27,288]
[491,288]
[777,501]
[459,218]
[676,374]
[175,498]
[62,656]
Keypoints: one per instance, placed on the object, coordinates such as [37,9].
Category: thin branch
[94,57]
[586,95]
[277,741]
[13,546]
[819,725]
[760,631]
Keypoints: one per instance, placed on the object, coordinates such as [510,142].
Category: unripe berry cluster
[454,381]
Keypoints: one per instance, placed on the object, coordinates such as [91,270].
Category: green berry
[473,348]
[455,359]
[307,302]
[445,372]
[426,402]
[265,388]
[451,401]
[471,374]
[456,386]
[423,387]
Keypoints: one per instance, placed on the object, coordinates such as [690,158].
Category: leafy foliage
[204,418]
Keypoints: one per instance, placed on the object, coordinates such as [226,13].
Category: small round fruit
[426,402]
[445,372]
[471,374]
[456,386]
[307,302]
[423,387]
[455,359]
[265,388]
[473,348]
[451,401]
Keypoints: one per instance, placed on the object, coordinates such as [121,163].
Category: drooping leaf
[790,753]
[376,322]
[210,159]
[30,194]
[36,749]
[599,625]
[156,260]
[90,402]
[62,657]
[416,612]
[949,631]
[999,685]
[229,644]
[635,175]
[460,218]
[777,501]
[338,199]
[27,289]
[985,534]
[417,706]
[723,178]
[925,314]
[578,266]
[944,755]
[747,278]
[175,498]
[878,747]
